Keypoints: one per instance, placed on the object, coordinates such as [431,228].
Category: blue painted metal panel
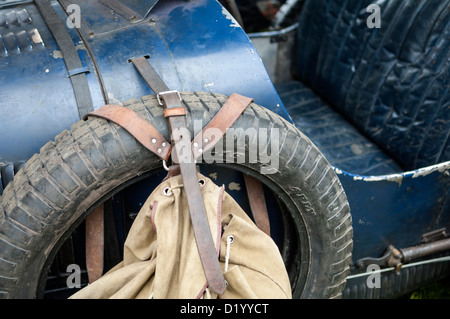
[36,95]
[396,209]
[194,46]
[205,50]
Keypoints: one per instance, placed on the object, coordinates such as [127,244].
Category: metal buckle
[167,92]
[166,168]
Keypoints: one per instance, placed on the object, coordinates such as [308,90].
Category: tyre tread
[79,160]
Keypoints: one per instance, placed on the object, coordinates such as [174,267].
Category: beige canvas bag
[161,259]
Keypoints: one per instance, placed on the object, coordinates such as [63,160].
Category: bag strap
[141,130]
[153,140]
[224,119]
[172,103]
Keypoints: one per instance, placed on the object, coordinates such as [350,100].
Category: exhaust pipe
[394,257]
[419,251]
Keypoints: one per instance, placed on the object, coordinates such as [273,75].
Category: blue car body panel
[205,50]
[396,209]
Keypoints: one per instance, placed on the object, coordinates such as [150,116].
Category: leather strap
[179,111]
[95,244]
[217,127]
[75,68]
[256,198]
[149,74]
[186,151]
[142,130]
[152,139]
[181,140]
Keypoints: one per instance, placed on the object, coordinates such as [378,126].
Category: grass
[435,290]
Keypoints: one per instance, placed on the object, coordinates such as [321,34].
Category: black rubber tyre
[70,176]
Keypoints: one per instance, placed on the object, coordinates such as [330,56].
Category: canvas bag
[161,259]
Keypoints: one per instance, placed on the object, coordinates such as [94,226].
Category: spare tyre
[85,165]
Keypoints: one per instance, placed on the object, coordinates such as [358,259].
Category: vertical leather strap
[95,244]
[71,58]
[205,140]
[76,72]
[181,141]
[149,74]
[256,198]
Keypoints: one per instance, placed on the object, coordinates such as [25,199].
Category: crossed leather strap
[184,152]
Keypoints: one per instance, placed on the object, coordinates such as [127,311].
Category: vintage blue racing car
[356,183]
